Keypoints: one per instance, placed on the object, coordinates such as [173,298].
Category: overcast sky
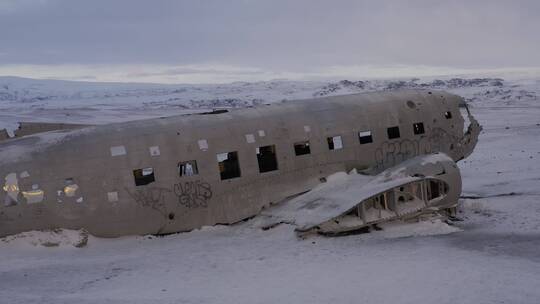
[228,40]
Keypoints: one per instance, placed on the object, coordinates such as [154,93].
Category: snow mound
[399,229]
[47,238]
[475,205]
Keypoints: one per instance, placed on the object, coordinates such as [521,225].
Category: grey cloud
[189,71]
[12,6]
[271,35]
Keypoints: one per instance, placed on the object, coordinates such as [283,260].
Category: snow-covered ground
[493,256]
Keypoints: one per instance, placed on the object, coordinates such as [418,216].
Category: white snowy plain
[492,256]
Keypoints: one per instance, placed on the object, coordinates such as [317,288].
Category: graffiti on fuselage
[153,198]
[193,194]
[390,153]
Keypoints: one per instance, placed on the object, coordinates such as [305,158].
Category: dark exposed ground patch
[521,245]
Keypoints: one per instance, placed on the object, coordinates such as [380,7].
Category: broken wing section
[30,128]
[349,202]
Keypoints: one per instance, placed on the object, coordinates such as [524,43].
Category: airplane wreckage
[278,161]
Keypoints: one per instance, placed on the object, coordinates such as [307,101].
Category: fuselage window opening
[188,168]
[35,195]
[302,148]
[266,157]
[393,132]
[365,137]
[70,188]
[448,114]
[144,176]
[229,166]
[335,142]
[418,128]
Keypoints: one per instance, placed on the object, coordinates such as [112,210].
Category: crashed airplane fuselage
[179,173]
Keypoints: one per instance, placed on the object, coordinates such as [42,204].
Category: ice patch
[48,238]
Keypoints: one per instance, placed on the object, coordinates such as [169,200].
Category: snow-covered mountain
[23,99]
[238,94]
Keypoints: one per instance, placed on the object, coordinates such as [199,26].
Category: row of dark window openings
[229,165]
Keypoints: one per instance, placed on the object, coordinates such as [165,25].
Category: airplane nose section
[470,137]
